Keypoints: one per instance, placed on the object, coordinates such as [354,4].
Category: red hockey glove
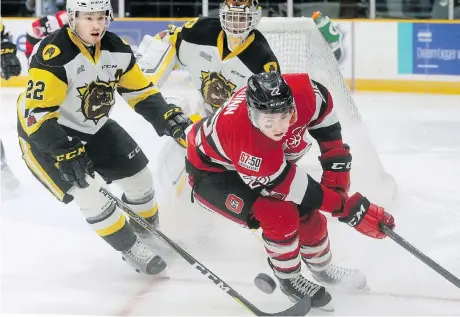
[365,217]
[336,165]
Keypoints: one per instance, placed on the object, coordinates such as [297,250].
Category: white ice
[52,263]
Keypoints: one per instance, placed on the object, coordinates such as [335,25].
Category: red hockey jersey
[228,141]
[41,27]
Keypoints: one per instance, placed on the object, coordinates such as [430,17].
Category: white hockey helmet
[238,18]
[75,6]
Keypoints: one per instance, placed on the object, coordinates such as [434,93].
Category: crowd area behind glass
[344,9]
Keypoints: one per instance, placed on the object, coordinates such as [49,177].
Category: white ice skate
[342,278]
[296,288]
[143,259]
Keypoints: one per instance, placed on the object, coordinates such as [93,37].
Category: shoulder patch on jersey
[201,31]
[249,161]
[50,51]
[54,50]
[190,23]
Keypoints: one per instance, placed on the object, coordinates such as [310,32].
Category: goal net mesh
[300,47]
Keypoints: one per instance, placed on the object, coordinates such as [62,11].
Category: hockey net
[300,47]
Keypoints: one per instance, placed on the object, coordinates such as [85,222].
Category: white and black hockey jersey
[217,72]
[77,86]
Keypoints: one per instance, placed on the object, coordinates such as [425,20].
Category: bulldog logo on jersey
[215,88]
[97,98]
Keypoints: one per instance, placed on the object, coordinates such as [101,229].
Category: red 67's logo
[249,162]
[296,137]
[234,203]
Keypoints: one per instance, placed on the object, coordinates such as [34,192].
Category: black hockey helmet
[269,93]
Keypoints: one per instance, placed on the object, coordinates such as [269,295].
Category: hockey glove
[336,165]
[365,217]
[9,61]
[176,123]
[73,162]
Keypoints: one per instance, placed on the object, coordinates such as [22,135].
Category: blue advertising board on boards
[133,31]
[429,48]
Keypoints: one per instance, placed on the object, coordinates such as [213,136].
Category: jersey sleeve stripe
[133,98]
[134,79]
[328,120]
[298,186]
[209,131]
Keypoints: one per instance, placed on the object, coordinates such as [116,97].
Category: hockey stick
[418,254]
[301,308]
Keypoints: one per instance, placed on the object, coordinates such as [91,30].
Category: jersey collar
[239,49]
[76,40]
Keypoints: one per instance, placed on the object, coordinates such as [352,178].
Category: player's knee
[91,202]
[137,188]
[138,193]
[312,228]
[278,219]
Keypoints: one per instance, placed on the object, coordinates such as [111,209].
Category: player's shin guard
[279,221]
[147,208]
[139,195]
[316,254]
[110,224]
[107,220]
[284,259]
[314,241]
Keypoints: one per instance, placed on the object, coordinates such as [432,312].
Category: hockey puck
[265,283]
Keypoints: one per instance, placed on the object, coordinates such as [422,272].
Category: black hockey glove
[176,123]
[73,162]
[9,61]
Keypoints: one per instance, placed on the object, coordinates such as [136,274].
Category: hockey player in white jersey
[65,132]
[219,53]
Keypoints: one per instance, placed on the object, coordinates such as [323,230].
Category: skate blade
[326,308]
[163,275]
[329,308]
[366,288]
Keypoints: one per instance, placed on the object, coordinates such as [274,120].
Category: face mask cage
[238,20]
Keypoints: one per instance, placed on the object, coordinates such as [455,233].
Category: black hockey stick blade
[301,308]
[419,255]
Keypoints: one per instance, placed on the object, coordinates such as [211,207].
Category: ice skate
[151,240]
[143,259]
[296,288]
[340,277]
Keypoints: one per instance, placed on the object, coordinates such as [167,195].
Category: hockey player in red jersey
[241,164]
[43,26]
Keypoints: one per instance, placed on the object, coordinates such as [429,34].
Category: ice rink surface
[52,263]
